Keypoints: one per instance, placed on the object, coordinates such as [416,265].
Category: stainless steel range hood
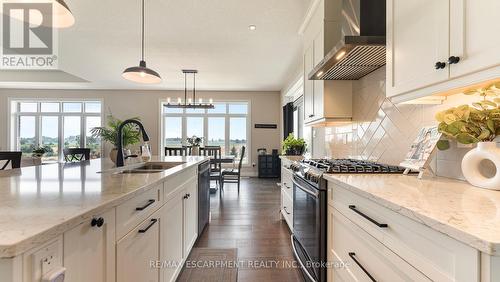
[362,49]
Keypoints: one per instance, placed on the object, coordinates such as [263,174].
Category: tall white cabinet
[324,101]
[437,45]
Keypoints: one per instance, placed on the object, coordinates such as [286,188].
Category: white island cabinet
[89,250]
[138,233]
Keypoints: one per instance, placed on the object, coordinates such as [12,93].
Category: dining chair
[175,151]
[215,166]
[76,154]
[233,175]
[12,158]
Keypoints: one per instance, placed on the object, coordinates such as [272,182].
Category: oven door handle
[305,190]
[300,262]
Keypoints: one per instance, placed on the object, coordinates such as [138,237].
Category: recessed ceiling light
[252,27]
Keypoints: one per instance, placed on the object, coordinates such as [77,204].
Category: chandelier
[189,103]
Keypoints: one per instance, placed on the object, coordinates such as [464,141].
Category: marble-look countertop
[464,212]
[41,202]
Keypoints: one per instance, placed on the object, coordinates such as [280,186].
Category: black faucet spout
[120,157]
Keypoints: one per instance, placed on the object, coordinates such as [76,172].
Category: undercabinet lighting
[252,27]
[430,100]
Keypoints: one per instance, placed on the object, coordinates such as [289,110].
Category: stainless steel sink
[152,167]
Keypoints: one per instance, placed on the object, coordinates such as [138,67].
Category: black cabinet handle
[286,210]
[97,222]
[353,256]
[150,202]
[440,65]
[381,225]
[311,116]
[287,187]
[186,196]
[153,221]
[453,60]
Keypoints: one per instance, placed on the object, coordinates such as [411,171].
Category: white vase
[474,171]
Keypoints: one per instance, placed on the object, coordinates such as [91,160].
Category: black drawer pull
[286,210]
[97,222]
[287,187]
[311,116]
[352,255]
[153,221]
[150,202]
[381,225]
[440,65]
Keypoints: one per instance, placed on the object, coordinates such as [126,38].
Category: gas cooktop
[351,166]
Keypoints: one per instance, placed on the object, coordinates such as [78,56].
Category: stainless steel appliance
[361,49]
[203,195]
[309,208]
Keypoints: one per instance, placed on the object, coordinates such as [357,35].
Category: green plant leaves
[466,138]
[443,145]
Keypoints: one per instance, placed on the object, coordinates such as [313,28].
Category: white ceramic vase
[472,168]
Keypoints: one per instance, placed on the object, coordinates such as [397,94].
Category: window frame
[205,116]
[15,114]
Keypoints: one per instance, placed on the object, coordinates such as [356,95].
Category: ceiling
[211,36]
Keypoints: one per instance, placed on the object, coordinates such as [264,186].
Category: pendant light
[191,102]
[63,17]
[142,74]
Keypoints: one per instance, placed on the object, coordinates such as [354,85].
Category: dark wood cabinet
[269,166]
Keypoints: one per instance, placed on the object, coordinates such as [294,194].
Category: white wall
[265,108]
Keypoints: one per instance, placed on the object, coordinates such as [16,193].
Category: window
[55,125]
[227,126]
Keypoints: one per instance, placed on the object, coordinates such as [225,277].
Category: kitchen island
[97,222]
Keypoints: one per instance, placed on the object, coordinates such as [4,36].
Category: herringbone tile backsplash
[383,131]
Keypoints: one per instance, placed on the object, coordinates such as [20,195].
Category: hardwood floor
[251,223]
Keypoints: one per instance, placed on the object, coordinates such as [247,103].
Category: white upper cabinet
[475,30]
[435,46]
[417,39]
[324,101]
[308,84]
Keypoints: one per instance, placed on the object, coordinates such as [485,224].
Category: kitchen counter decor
[131,134]
[294,146]
[477,124]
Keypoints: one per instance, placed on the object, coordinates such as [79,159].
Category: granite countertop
[41,202]
[464,212]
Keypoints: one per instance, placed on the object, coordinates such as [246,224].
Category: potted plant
[131,134]
[195,144]
[476,124]
[38,152]
[294,146]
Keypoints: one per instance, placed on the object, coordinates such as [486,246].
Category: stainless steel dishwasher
[203,195]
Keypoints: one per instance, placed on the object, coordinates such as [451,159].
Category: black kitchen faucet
[120,158]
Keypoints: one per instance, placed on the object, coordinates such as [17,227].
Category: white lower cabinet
[89,250]
[190,215]
[365,258]
[136,251]
[171,240]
